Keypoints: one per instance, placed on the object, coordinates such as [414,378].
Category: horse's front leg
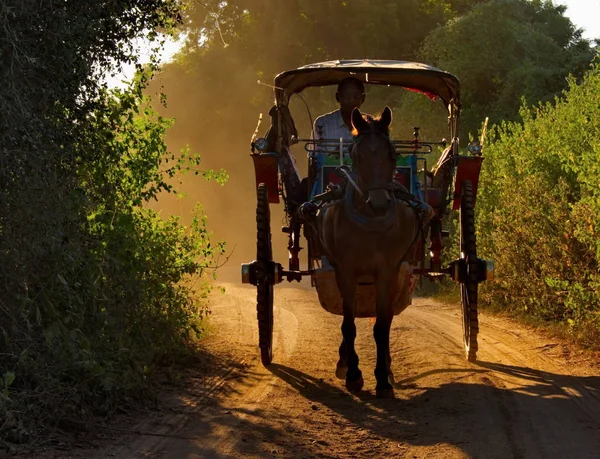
[347,285]
[381,332]
[341,368]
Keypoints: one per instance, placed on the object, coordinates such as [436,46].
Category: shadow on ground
[544,417]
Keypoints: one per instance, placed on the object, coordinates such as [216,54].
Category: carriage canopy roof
[414,76]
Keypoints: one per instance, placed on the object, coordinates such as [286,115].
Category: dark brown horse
[367,235]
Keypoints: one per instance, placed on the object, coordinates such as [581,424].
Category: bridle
[356,159]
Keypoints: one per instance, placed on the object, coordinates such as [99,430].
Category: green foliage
[538,208]
[123,301]
[96,290]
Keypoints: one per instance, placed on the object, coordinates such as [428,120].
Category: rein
[351,181]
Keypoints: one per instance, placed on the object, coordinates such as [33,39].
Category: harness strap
[352,182]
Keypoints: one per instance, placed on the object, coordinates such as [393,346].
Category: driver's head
[350,94]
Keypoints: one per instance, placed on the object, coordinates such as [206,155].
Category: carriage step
[286,229]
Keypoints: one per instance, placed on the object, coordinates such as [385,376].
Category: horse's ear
[386,117]
[358,121]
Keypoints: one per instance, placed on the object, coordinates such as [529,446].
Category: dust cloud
[231,208]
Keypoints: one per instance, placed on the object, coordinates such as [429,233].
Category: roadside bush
[538,211]
[121,299]
[96,290]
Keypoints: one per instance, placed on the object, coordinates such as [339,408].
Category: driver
[350,95]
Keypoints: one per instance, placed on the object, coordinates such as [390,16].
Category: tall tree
[504,50]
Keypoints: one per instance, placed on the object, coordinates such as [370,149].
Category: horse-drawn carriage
[365,261]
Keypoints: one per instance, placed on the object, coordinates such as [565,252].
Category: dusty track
[526,398]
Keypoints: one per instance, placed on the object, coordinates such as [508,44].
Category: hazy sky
[584,14]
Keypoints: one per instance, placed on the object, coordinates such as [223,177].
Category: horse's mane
[375,125]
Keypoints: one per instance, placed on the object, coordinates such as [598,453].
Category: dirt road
[527,397]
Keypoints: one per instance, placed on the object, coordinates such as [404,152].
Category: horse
[369,233]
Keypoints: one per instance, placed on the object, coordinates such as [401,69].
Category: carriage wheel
[468,288]
[264,257]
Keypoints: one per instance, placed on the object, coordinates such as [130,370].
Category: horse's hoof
[384,392]
[356,385]
[340,372]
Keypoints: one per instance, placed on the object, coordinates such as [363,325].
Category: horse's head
[374,158]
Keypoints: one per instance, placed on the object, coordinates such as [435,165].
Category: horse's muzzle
[379,200]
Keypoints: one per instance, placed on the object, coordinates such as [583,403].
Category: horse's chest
[371,249]
[362,248]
